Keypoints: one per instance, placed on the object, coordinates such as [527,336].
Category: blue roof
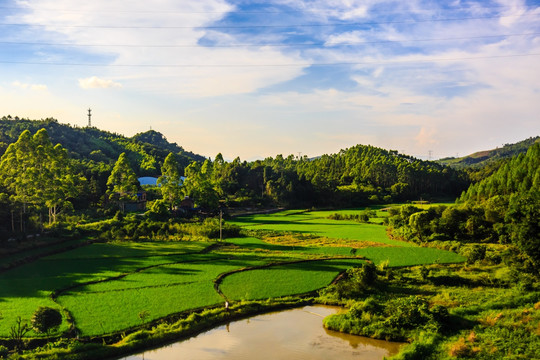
[151,180]
[148,180]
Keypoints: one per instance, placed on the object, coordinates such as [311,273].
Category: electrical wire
[374,62]
[259,26]
[270,45]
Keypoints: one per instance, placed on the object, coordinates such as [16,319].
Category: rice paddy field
[104,287]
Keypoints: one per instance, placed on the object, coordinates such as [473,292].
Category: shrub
[46,319]
[407,313]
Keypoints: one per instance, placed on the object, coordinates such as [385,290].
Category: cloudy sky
[260,78]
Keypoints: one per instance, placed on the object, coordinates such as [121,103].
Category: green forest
[444,257]
[361,175]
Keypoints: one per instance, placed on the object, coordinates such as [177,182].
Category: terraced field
[104,287]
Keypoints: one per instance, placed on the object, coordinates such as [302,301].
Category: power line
[265,26]
[269,45]
[267,65]
[239,11]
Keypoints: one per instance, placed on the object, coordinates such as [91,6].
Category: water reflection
[291,334]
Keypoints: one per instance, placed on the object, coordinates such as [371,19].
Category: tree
[38,174]
[46,319]
[122,184]
[524,218]
[198,185]
[170,181]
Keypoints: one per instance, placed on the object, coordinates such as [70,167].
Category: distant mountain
[488,157]
[146,151]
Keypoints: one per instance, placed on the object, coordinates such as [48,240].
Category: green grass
[160,291]
[409,256]
[294,251]
[169,277]
[7,260]
[283,280]
[316,223]
[25,288]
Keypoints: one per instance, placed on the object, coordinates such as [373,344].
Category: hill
[91,146]
[488,157]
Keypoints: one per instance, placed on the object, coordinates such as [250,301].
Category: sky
[254,79]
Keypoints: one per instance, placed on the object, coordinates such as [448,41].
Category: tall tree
[122,184]
[198,185]
[170,181]
[37,174]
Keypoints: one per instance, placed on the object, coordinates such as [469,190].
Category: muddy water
[291,334]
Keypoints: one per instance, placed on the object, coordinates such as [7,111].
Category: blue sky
[260,78]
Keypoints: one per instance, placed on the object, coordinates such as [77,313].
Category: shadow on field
[51,274]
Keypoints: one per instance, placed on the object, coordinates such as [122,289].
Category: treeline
[501,209]
[100,167]
[357,176]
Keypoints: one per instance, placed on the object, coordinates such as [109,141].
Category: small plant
[143,315]
[17,332]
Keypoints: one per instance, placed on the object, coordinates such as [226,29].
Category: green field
[104,286]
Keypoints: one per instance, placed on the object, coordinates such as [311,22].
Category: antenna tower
[89,117]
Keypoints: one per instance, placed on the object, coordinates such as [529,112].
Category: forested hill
[520,176]
[483,158]
[364,166]
[89,145]
[502,209]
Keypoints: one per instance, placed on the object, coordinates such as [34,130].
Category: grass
[283,280]
[160,291]
[490,321]
[317,224]
[105,286]
[410,256]
[25,288]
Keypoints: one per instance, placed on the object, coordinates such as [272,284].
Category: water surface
[290,334]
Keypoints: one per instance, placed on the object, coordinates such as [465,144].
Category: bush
[407,313]
[46,319]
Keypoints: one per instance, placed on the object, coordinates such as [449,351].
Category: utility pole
[220,225]
[89,117]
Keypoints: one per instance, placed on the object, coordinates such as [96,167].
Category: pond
[288,334]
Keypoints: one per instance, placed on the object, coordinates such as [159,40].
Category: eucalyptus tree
[199,185]
[122,184]
[37,174]
[170,181]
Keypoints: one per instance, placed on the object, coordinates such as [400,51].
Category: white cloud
[344,38]
[425,137]
[35,87]
[96,83]
[163,45]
